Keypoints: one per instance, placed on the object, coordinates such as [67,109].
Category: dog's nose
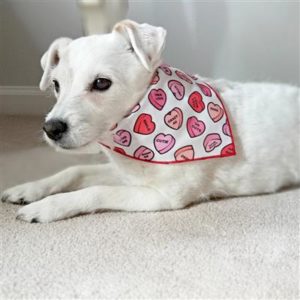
[55,129]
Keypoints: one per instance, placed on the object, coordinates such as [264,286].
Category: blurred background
[238,40]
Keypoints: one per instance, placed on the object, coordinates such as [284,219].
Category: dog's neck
[179,118]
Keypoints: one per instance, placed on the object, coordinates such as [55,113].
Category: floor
[235,248]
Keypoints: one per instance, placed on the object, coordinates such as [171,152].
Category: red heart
[228,150]
[144,124]
[119,150]
[196,103]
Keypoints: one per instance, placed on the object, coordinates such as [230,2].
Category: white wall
[239,40]
[27,29]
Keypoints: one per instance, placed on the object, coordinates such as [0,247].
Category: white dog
[97,80]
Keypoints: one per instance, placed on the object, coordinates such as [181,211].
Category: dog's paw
[24,193]
[43,211]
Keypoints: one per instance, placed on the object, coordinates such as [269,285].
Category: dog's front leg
[71,179]
[89,200]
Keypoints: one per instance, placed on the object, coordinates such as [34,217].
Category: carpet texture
[235,248]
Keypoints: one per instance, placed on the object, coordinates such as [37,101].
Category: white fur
[264,117]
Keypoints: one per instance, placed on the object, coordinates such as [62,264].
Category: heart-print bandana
[179,119]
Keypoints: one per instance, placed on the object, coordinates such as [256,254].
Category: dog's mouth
[87,147]
[72,147]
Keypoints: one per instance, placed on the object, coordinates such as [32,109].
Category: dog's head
[97,80]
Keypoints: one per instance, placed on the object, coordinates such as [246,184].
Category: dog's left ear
[50,59]
[147,41]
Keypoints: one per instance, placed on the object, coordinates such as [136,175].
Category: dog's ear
[50,59]
[146,41]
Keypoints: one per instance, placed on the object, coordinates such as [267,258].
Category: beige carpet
[235,248]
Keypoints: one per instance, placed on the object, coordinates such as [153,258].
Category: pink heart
[226,129]
[212,141]
[195,127]
[133,110]
[215,111]
[143,153]
[164,143]
[122,137]
[183,76]
[166,69]
[185,153]
[176,88]
[157,98]
[155,78]
[174,118]
[136,108]
[205,90]
[194,77]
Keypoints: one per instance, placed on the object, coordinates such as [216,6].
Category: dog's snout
[55,129]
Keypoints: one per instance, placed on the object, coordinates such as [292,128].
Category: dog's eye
[56,85]
[101,84]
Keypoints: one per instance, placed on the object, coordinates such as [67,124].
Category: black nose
[55,129]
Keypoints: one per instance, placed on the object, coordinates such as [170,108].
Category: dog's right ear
[50,59]
[146,41]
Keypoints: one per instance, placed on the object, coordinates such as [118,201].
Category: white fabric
[179,119]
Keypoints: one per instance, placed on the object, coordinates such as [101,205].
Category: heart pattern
[122,137]
[174,118]
[211,142]
[144,124]
[143,153]
[195,127]
[205,89]
[226,129]
[215,111]
[155,78]
[177,88]
[164,143]
[119,150]
[185,153]
[183,76]
[157,98]
[165,68]
[177,120]
[196,103]
[228,150]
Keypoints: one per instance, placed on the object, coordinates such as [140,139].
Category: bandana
[180,119]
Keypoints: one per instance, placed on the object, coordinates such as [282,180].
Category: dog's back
[265,120]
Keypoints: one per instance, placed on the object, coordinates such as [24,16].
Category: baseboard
[24,100]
